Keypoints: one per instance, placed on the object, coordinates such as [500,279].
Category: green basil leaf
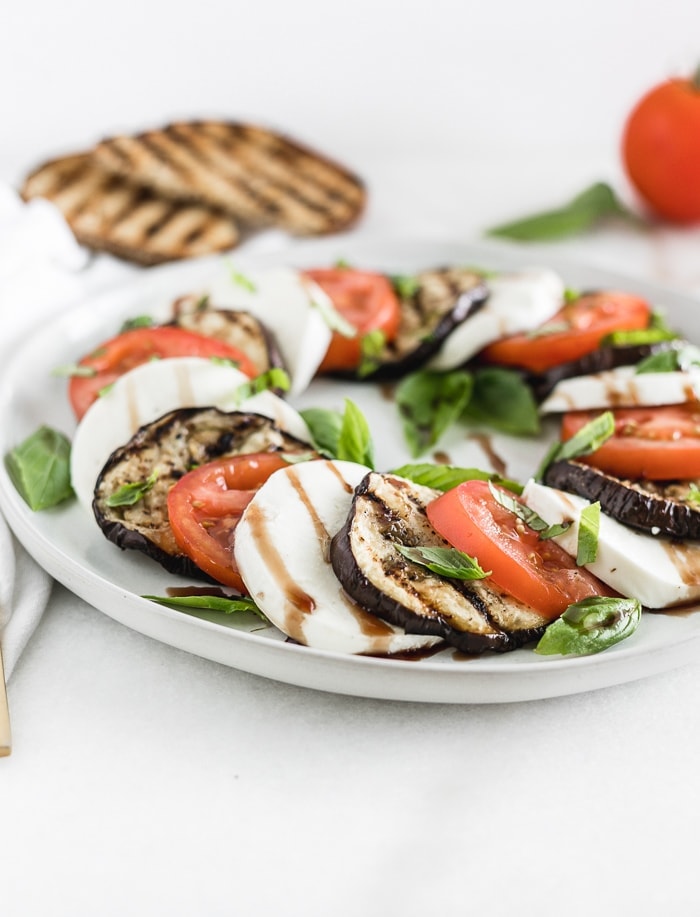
[445,477]
[676,359]
[274,378]
[75,370]
[528,516]
[223,604]
[405,285]
[130,494]
[333,318]
[324,426]
[503,400]
[355,439]
[589,438]
[371,349]
[447,562]
[241,280]
[139,321]
[39,467]
[592,206]
[590,626]
[692,497]
[429,403]
[588,529]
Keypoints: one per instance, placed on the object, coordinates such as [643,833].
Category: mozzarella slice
[282,551]
[657,571]
[622,388]
[517,302]
[292,306]
[149,391]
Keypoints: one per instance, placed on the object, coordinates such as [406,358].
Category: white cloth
[42,270]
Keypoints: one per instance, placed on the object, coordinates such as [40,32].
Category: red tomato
[577,329]
[132,348]
[655,443]
[205,505]
[538,573]
[661,149]
[367,301]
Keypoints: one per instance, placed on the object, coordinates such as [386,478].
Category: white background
[147,781]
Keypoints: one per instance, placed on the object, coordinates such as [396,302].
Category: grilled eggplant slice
[473,616]
[169,447]
[443,298]
[601,360]
[654,507]
[235,327]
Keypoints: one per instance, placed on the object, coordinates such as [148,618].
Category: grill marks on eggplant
[660,508]
[473,616]
[235,327]
[444,298]
[172,445]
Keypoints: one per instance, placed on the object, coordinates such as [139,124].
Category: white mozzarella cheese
[282,551]
[657,571]
[149,391]
[292,307]
[622,388]
[517,302]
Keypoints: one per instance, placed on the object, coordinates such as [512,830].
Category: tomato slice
[205,505]
[138,345]
[367,301]
[656,443]
[535,571]
[577,329]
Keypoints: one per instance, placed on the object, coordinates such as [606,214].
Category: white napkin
[42,271]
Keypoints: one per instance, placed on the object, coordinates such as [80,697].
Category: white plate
[67,542]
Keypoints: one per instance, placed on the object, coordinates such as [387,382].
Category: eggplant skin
[474,617]
[237,328]
[653,507]
[601,360]
[171,446]
[444,298]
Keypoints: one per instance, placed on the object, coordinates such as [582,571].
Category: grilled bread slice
[260,177]
[108,213]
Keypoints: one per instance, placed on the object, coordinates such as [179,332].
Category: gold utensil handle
[5,735]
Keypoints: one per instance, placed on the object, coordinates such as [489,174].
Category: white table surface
[148,781]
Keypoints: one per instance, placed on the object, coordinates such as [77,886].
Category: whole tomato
[661,149]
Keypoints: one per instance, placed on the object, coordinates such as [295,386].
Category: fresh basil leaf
[223,604]
[324,426]
[405,285]
[131,494]
[528,516]
[139,321]
[571,295]
[355,439]
[676,359]
[342,263]
[503,400]
[371,349]
[692,497]
[657,331]
[75,370]
[333,318]
[591,625]
[274,378]
[592,206]
[588,529]
[241,280]
[225,361]
[447,562]
[589,438]
[39,467]
[445,477]
[429,403]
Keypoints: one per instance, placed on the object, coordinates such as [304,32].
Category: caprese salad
[187,450]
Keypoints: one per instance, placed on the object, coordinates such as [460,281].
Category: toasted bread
[110,214]
[258,176]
